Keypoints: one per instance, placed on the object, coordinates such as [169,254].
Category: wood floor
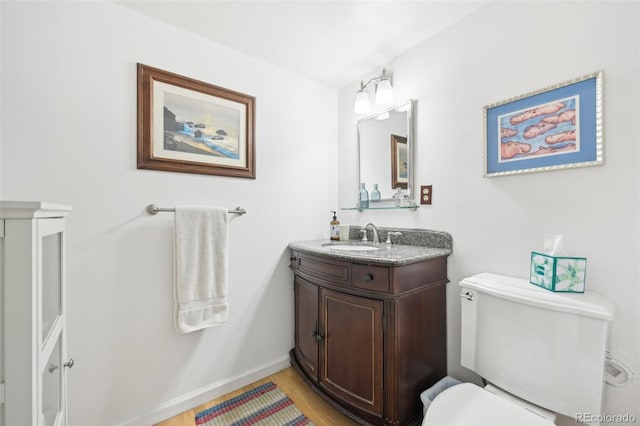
[289,382]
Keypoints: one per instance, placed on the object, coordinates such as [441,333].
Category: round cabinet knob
[367,278]
[69,363]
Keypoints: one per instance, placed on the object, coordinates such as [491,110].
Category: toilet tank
[547,348]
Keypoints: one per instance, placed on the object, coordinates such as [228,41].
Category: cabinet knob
[367,278]
[316,333]
[69,363]
[53,367]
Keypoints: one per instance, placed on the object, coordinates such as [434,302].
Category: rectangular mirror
[385,151]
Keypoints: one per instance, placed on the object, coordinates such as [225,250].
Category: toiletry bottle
[375,194]
[334,230]
[364,197]
[397,197]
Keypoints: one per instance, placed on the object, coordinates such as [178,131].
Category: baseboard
[186,402]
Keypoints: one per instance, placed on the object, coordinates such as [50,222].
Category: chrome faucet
[376,239]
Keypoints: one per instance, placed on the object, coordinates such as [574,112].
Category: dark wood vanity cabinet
[369,338]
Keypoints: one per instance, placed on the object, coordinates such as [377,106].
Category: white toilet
[540,352]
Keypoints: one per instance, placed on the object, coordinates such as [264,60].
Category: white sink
[350,247]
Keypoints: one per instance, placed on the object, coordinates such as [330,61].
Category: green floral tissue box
[558,273]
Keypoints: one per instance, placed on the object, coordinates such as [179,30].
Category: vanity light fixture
[383,92]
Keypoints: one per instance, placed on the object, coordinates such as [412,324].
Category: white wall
[69,136]
[503,50]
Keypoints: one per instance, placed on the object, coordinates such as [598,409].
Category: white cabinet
[33,358]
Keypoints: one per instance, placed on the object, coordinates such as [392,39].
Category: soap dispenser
[334,230]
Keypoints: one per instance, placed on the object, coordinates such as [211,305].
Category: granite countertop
[394,254]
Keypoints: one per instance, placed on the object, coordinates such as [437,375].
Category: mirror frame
[409,189]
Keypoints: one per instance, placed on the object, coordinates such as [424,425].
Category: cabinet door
[351,357]
[307,329]
[51,388]
[52,323]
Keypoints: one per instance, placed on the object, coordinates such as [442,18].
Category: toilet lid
[468,404]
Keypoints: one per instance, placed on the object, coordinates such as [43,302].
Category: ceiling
[335,42]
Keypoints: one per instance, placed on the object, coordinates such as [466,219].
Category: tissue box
[558,273]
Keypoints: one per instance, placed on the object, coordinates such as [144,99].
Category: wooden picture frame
[399,162]
[189,126]
[557,127]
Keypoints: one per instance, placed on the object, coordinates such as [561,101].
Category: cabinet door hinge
[1,393]
[2,228]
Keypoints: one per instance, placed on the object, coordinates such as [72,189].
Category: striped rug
[264,405]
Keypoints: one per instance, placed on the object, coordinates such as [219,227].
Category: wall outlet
[426,193]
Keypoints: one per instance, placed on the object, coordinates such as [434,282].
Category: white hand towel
[201,267]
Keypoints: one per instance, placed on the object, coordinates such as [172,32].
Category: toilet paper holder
[617,374]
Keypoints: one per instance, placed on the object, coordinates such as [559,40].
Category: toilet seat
[469,404]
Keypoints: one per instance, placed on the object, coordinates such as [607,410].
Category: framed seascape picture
[557,127]
[188,126]
[399,175]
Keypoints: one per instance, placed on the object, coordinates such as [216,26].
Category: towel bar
[154,209]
